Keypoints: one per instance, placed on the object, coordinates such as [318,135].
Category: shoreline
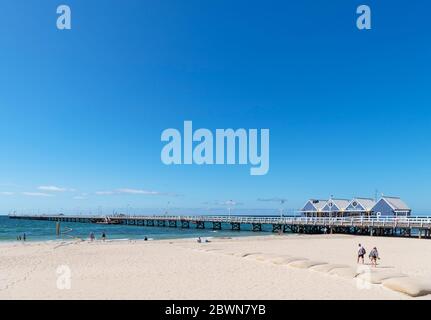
[12,242]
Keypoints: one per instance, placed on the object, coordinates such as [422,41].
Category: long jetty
[374,226]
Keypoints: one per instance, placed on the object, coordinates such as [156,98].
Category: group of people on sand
[374,255]
[23,237]
[93,237]
[200,240]
[103,237]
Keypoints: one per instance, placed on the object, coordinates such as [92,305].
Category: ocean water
[35,230]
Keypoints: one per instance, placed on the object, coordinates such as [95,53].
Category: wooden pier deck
[377,226]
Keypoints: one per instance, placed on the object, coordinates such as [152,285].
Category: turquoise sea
[35,230]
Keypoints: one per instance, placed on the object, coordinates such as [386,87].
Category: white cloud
[7,193]
[101,193]
[37,194]
[137,191]
[275,199]
[129,191]
[54,189]
[223,203]
[231,203]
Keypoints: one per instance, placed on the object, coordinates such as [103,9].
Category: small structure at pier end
[357,207]
[361,207]
[313,207]
[391,206]
[335,208]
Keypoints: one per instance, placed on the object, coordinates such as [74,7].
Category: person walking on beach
[103,236]
[91,236]
[24,237]
[361,253]
[374,255]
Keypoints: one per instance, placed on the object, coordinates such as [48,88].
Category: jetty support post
[216,225]
[257,227]
[276,227]
[185,224]
[236,226]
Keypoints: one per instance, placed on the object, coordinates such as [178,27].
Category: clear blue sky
[82,110]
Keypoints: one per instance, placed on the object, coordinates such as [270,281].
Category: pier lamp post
[282,202]
[167,208]
[230,203]
[330,206]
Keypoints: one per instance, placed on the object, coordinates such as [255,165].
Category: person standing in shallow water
[103,236]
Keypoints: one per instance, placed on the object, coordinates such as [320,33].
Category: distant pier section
[406,226]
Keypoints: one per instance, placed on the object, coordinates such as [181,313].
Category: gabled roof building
[335,206]
[361,206]
[313,206]
[385,206]
[391,206]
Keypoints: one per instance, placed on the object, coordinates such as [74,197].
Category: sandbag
[246,254]
[379,277]
[305,264]
[327,267]
[252,255]
[228,252]
[347,273]
[285,260]
[410,286]
[263,256]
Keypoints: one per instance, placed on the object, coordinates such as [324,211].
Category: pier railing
[372,225]
[417,221]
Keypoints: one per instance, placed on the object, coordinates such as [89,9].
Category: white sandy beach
[184,269]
